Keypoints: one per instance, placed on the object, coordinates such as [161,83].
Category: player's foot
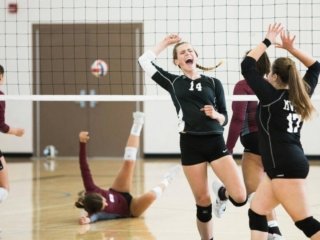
[138,117]
[274,236]
[274,231]
[172,172]
[219,206]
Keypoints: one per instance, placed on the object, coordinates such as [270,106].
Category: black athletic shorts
[288,163]
[196,149]
[250,142]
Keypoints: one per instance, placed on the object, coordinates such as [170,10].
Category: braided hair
[175,56]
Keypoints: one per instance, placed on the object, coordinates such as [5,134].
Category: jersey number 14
[198,86]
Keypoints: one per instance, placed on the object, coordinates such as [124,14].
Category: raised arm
[167,41]
[287,43]
[87,179]
[272,33]
[147,59]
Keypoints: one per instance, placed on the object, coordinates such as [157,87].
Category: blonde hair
[299,90]
[175,56]
[209,68]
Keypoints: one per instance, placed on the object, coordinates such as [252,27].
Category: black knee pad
[236,203]
[204,214]
[257,222]
[309,226]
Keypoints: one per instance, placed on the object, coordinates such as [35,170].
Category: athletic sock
[138,121]
[130,153]
[158,191]
[273,227]
[222,193]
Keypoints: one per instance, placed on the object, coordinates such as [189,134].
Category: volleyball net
[48,48]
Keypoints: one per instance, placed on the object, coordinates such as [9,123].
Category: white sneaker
[274,236]
[138,117]
[172,172]
[219,206]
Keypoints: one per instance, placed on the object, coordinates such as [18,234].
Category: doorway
[63,54]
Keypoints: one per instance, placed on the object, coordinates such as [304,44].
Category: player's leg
[294,198]
[123,180]
[198,181]
[262,204]
[233,187]
[252,170]
[140,204]
[253,173]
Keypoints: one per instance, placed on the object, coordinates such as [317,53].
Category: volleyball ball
[50,151]
[99,68]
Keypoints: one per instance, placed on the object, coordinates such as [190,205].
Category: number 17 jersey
[279,124]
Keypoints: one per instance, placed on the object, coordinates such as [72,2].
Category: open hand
[273,31]
[287,41]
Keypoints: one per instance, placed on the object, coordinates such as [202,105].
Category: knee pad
[236,203]
[309,226]
[3,194]
[257,222]
[130,153]
[204,214]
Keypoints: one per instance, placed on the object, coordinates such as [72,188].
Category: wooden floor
[40,205]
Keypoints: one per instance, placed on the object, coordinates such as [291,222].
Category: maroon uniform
[243,120]
[118,205]
[4,128]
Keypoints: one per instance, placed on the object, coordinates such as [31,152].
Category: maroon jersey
[117,203]
[3,126]
[243,120]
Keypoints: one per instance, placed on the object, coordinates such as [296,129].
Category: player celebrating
[243,124]
[284,104]
[201,110]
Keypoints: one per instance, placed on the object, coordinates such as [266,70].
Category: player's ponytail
[79,203]
[91,202]
[298,88]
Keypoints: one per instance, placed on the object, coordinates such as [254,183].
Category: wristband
[266,42]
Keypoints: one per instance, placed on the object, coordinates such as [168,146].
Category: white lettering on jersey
[288,106]
[111,197]
[293,118]
[293,122]
[198,86]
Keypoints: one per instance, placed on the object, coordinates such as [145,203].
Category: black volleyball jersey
[189,96]
[279,123]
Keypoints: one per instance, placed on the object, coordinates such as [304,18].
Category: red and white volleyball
[99,68]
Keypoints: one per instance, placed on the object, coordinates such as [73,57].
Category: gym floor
[41,204]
